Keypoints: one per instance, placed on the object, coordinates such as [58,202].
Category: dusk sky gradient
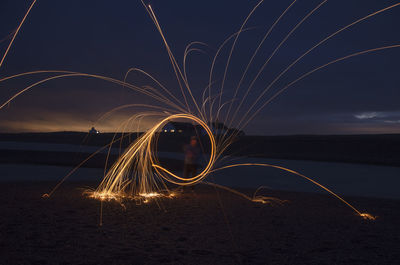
[359,95]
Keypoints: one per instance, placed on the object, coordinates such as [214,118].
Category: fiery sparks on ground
[119,197]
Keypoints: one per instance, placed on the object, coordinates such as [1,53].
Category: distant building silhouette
[218,128]
[94,131]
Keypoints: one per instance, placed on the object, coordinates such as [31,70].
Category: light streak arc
[314,47]
[364,215]
[273,54]
[16,33]
[232,49]
[254,55]
[316,69]
[137,173]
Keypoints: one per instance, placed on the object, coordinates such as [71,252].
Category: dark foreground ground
[204,227]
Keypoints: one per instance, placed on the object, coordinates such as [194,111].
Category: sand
[204,227]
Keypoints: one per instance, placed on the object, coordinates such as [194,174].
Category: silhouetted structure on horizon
[185,128]
[94,131]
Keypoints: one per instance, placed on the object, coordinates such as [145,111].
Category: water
[343,178]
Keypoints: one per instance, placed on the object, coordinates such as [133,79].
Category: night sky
[359,95]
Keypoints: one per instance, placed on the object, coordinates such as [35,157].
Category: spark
[367,216]
[16,33]
[137,171]
[120,197]
[364,215]
[137,174]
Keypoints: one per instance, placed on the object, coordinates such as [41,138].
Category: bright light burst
[137,174]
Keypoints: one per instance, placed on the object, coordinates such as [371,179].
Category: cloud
[392,121]
[379,116]
[368,115]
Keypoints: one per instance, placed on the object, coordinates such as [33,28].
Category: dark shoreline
[363,149]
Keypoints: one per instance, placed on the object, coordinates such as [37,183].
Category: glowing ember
[367,216]
[104,196]
[119,197]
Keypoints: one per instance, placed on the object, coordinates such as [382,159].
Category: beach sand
[205,227]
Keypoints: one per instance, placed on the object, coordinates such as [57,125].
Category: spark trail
[16,33]
[137,174]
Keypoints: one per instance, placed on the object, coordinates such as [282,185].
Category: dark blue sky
[360,95]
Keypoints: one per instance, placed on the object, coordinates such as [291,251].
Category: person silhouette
[192,155]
